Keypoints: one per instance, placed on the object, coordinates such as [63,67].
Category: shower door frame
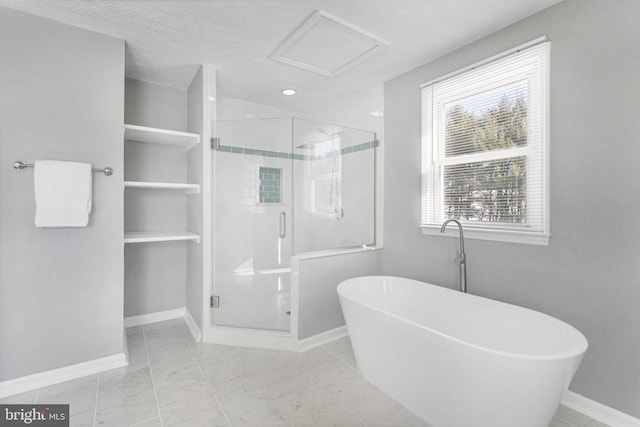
[238,336]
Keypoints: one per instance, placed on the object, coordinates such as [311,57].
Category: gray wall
[319,307]
[155,273]
[149,104]
[588,275]
[61,98]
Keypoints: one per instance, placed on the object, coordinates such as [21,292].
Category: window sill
[507,236]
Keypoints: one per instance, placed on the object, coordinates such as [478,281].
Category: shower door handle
[283,224]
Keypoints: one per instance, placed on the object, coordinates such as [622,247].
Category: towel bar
[20,166]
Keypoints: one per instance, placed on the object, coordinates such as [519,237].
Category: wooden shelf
[189,188]
[159,236]
[161,136]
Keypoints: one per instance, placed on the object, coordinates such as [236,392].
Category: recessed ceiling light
[288,92]
[377,113]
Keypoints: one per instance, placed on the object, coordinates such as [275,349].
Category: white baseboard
[55,376]
[193,326]
[598,411]
[159,316]
[322,338]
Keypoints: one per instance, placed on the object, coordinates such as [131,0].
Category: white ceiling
[166,39]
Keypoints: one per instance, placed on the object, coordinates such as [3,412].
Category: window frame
[432,162]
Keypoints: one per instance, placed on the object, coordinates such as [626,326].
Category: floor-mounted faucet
[462,258]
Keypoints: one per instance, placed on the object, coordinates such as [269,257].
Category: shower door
[252,170]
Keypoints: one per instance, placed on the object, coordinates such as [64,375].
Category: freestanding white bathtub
[459,360]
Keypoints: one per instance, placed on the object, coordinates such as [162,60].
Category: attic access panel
[327,45]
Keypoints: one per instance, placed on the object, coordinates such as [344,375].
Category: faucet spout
[462,258]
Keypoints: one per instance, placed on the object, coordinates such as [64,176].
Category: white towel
[63,193]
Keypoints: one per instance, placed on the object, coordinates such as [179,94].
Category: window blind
[484,144]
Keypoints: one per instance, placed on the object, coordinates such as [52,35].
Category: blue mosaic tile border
[282,155]
[263,153]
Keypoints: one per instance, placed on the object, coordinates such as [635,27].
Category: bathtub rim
[538,357]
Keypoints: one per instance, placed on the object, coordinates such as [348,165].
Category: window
[484,148]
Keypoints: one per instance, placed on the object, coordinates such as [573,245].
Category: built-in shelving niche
[143,134]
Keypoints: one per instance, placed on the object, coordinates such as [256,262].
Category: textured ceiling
[167,39]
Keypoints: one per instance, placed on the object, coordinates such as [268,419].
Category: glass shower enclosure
[283,187]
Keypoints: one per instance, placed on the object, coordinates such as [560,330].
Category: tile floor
[173,381]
